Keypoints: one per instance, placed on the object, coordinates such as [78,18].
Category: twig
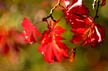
[97,9]
[51,12]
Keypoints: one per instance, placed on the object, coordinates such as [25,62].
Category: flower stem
[97,9]
[51,12]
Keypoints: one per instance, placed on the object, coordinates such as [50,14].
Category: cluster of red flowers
[51,46]
[84,27]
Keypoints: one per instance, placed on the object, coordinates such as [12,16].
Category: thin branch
[97,9]
[94,4]
[55,6]
[51,12]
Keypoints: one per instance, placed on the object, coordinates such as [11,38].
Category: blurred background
[18,56]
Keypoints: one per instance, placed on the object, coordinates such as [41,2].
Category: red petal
[49,54]
[62,45]
[59,30]
[79,30]
[5,49]
[45,39]
[95,37]
[81,10]
[88,20]
[101,30]
[18,37]
[66,2]
[30,32]
[103,2]
[74,1]
[59,38]
[56,53]
[3,35]
[28,27]
[65,54]
[64,49]
[76,38]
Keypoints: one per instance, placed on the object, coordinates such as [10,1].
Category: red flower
[90,34]
[30,32]
[9,40]
[9,46]
[85,30]
[51,46]
[72,12]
